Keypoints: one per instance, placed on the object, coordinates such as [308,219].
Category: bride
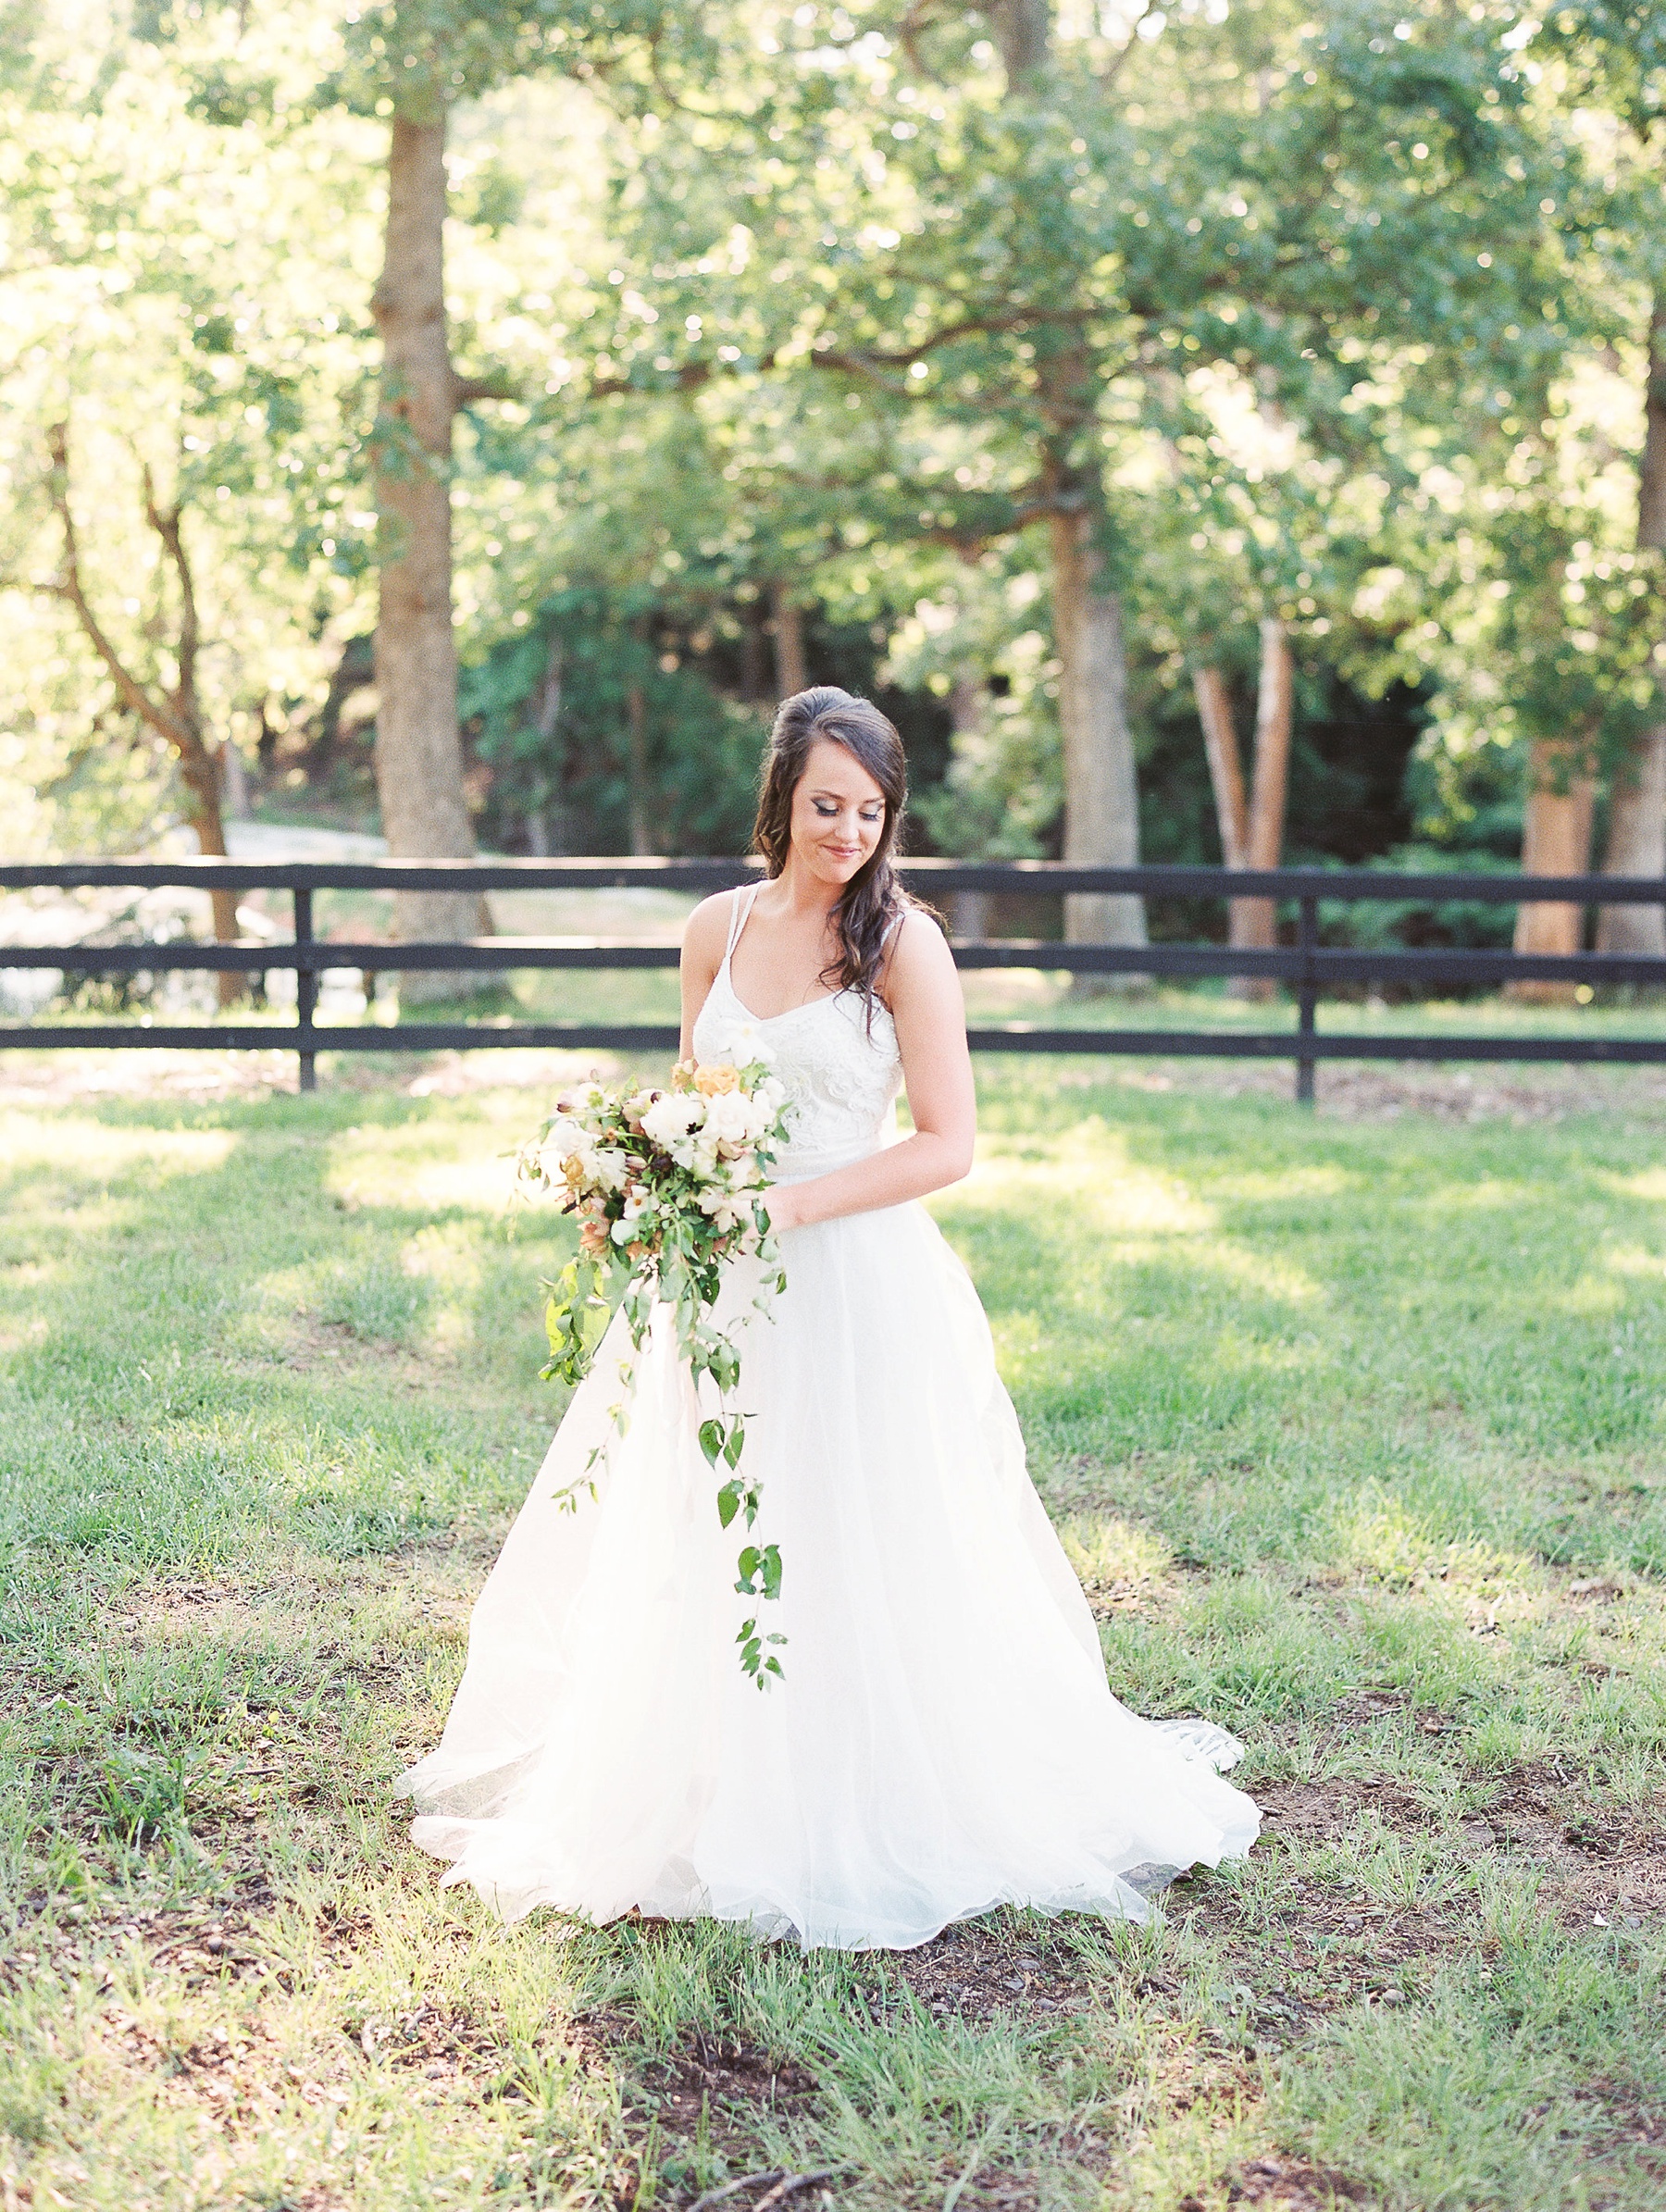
[943,1740]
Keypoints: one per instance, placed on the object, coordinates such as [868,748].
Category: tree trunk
[1255,921]
[1556,841]
[1226,777]
[791,675]
[1022,28]
[547,827]
[1101,800]
[418,747]
[202,782]
[754,653]
[1636,838]
[1226,768]
[1637,846]
[636,715]
[234,780]
[968,911]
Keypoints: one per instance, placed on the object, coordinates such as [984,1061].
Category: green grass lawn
[1356,1431]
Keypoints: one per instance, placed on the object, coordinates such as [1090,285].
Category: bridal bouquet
[670,1183]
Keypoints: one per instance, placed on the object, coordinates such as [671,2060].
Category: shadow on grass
[1256,1329]
[213,1342]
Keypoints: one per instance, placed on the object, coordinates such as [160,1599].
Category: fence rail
[1307,965]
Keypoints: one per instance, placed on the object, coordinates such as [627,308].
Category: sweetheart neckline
[764,1020]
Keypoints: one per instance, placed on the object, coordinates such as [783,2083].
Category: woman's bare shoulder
[706,931]
[919,959]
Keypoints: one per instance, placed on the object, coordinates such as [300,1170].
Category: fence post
[1307,937]
[306,990]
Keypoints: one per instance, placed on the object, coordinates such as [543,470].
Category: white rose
[730,1118]
[613,1170]
[561,1137]
[673,1117]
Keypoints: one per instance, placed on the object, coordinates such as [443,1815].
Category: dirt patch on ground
[1328,1947]
[978,1968]
[721,2085]
[703,2099]
[1601,1865]
[1296,2184]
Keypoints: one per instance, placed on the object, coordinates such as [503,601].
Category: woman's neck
[806,896]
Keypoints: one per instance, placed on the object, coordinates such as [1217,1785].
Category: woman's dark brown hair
[873,900]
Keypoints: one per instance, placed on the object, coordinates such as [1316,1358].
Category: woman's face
[837,814]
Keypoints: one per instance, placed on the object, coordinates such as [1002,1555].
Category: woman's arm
[924,993]
[702,944]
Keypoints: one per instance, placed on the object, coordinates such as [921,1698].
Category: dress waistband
[798,1164]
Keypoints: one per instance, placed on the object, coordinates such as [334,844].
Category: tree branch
[916,18]
[498,385]
[174,718]
[167,526]
[1113,69]
[159,716]
[971,326]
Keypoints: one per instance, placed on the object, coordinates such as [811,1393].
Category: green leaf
[595,1318]
[710,1443]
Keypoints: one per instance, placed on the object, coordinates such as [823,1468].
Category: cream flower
[673,1117]
[732,1118]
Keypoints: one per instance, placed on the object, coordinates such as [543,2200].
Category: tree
[419,749]
[188,373]
[1252,829]
[997,239]
[173,710]
[412,60]
[1613,53]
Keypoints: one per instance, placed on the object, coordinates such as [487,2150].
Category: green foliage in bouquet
[671,1183]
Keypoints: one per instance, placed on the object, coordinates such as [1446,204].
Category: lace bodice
[843,1073]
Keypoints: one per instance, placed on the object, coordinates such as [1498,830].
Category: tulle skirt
[943,1740]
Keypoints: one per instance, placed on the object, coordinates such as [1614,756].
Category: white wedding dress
[943,1740]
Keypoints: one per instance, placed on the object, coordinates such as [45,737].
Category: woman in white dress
[943,1740]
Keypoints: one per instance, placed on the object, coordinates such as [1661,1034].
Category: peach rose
[715,1082]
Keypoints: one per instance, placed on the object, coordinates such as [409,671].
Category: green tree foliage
[175,302]
[854,321]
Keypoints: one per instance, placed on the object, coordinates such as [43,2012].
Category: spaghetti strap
[740,905]
[888,949]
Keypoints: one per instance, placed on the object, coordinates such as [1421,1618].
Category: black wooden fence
[1306,966]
